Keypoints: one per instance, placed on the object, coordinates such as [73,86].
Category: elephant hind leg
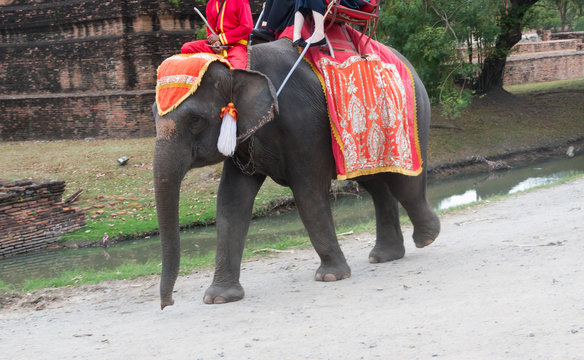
[389,244]
[425,235]
[411,193]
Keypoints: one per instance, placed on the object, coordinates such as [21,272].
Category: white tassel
[228,135]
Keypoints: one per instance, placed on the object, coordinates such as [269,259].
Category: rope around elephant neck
[249,168]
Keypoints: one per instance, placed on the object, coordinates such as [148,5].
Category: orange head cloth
[230,108]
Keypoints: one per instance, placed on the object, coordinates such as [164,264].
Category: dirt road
[504,280]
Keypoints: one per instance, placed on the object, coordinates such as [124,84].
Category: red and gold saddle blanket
[372,108]
[179,76]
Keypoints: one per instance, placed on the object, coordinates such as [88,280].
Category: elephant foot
[381,254]
[221,294]
[332,273]
[425,235]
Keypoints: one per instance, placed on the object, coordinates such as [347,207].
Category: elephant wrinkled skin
[294,149]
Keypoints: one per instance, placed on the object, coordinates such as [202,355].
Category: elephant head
[187,138]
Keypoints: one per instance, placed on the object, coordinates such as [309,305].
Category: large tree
[511,22]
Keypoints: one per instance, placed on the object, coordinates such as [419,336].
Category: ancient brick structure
[545,46]
[33,215]
[71,69]
[78,68]
[545,61]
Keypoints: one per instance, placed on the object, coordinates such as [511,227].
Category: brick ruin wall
[33,215]
[73,69]
[532,68]
[545,61]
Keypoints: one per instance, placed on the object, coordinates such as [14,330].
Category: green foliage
[176,3]
[454,103]
[445,41]
[409,30]
[201,33]
[448,42]
[579,24]
[557,15]
[542,17]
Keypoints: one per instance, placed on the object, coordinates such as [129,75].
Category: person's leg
[196,47]
[298,23]
[237,56]
[318,37]
[268,8]
[281,16]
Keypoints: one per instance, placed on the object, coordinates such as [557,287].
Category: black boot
[321,42]
[264,34]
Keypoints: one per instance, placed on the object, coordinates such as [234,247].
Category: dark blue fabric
[305,6]
[280,15]
[353,4]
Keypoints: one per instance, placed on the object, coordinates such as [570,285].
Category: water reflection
[533,183]
[468,197]
[464,190]
[348,211]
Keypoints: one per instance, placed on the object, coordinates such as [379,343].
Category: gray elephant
[294,149]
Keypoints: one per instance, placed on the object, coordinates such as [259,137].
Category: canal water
[348,210]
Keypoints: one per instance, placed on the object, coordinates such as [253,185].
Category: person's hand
[216,46]
[212,39]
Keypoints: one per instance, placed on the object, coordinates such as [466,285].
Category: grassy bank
[120,200]
[129,271]
[191,263]
[534,116]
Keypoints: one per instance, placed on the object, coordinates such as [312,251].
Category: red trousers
[236,55]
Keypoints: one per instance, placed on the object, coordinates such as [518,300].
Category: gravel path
[504,280]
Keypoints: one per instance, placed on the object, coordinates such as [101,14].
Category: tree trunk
[511,24]
[563,10]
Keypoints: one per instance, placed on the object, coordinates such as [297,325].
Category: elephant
[287,138]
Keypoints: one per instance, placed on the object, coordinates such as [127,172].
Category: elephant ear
[255,98]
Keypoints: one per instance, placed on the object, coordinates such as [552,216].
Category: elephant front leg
[234,207]
[315,212]
[389,244]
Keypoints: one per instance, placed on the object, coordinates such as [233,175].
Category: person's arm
[212,20]
[242,13]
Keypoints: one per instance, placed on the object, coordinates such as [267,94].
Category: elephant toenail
[330,277]
[220,300]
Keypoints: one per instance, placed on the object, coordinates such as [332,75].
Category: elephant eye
[197,124]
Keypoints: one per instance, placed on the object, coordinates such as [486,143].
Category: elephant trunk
[168,174]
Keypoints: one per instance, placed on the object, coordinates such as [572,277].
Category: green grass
[188,264]
[559,85]
[5,288]
[536,115]
[117,200]
[79,277]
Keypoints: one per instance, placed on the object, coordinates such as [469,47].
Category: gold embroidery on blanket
[372,112]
